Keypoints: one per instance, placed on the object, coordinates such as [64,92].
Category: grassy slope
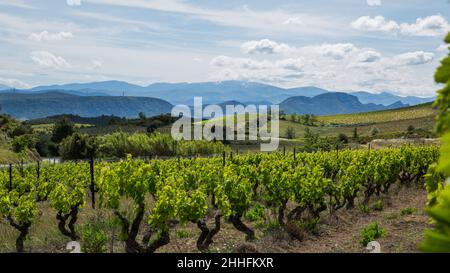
[408,113]
[389,122]
[7,156]
[47,128]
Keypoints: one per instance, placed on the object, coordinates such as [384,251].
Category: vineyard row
[299,188]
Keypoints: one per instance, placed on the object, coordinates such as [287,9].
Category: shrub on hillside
[62,129]
[140,144]
[78,146]
[372,232]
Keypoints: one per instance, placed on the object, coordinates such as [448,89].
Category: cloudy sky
[345,45]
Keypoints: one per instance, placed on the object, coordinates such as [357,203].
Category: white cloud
[73,2]
[46,36]
[435,25]
[342,66]
[14,83]
[293,21]
[262,68]
[368,56]
[336,51]
[413,58]
[374,2]
[241,63]
[265,46]
[264,21]
[297,64]
[48,60]
[377,23]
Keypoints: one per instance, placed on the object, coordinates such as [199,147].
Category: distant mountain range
[45,104]
[331,104]
[387,98]
[4,87]
[127,100]
[213,92]
[40,105]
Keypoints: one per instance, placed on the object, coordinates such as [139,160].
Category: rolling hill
[407,113]
[391,123]
[26,106]
[330,104]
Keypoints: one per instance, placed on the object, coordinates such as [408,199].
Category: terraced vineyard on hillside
[402,114]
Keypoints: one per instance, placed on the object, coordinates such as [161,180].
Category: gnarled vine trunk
[24,229]
[239,225]
[206,236]
[62,220]
[131,232]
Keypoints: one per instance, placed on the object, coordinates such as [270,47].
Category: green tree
[438,239]
[312,120]
[293,117]
[343,138]
[22,129]
[443,100]
[374,131]
[142,116]
[62,129]
[411,130]
[306,119]
[45,146]
[290,133]
[311,140]
[22,143]
[79,146]
[355,133]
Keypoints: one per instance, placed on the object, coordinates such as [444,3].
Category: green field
[387,129]
[409,113]
[48,127]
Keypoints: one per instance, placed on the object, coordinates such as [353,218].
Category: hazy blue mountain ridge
[218,92]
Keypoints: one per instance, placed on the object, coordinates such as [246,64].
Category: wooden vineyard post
[10,177]
[294,153]
[330,206]
[38,169]
[224,155]
[91,165]
[21,167]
